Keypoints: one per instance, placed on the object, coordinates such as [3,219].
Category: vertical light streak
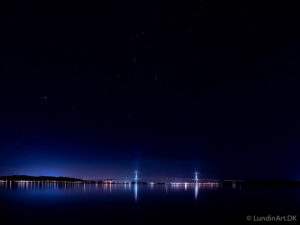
[196,190]
[135,192]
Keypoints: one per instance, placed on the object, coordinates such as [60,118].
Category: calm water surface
[69,203]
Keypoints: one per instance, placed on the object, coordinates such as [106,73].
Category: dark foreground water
[30,203]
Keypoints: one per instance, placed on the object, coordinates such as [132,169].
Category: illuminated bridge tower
[196,177]
[135,176]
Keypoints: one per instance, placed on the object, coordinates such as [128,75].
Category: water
[69,203]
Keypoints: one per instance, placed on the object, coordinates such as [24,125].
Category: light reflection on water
[196,191]
[173,203]
[135,192]
[107,187]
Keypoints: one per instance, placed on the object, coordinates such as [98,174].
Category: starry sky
[96,89]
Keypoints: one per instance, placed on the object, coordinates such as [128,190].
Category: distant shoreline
[26,178]
[38,178]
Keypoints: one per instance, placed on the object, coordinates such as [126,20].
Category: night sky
[96,89]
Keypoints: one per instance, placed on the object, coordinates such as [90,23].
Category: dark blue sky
[97,89]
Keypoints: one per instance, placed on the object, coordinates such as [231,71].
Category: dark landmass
[40,178]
